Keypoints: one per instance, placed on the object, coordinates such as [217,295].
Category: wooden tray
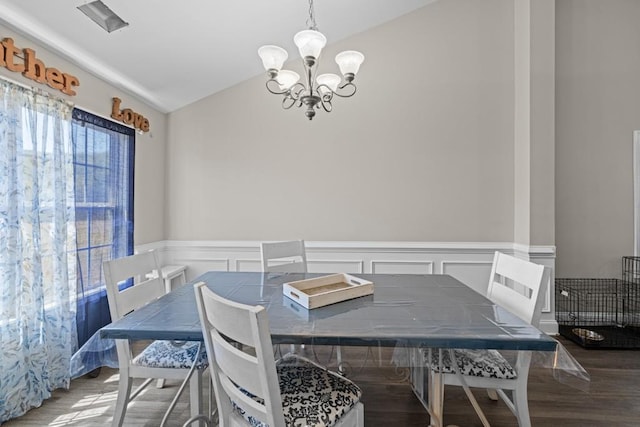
[325,290]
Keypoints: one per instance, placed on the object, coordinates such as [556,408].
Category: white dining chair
[284,257]
[289,257]
[160,359]
[519,287]
[252,389]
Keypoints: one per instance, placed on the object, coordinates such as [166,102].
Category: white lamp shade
[273,57]
[331,80]
[349,61]
[310,43]
[287,78]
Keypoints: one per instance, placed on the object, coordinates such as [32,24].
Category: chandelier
[312,93]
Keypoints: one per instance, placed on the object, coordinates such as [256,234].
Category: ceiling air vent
[103,16]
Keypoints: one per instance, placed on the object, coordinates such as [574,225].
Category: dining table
[405,311]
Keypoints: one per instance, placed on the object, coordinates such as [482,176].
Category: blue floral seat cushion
[312,396]
[171,354]
[477,363]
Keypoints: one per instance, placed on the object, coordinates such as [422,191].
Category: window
[103,173]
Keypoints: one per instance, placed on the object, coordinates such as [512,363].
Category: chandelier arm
[274,83]
[296,91]
[326,97]
[288,101]
[327,92]
[325,101]
[349,92]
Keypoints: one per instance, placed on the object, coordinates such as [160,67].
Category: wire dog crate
[631,269]
[599,313]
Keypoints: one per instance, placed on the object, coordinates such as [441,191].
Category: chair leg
[435,396]
[213,407]
[195,394]
[124,390]
[492,393]
[341,369]
[520,401]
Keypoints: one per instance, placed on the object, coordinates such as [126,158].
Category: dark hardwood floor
[613,398]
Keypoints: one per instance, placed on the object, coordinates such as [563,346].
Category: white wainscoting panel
[198,266]
[474,274]
[401,267]
[248,265]
[334,265]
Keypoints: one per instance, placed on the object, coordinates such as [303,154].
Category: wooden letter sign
[34,69]
[128,116]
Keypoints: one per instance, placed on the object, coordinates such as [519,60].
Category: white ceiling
[176,52]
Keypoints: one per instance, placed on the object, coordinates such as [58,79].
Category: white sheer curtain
[37,248]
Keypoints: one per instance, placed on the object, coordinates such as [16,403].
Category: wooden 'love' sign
[128,116]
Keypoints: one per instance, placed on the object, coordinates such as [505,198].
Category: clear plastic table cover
[95,353]
[563,366]
[405,311]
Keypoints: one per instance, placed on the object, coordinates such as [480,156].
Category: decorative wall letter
[128,116]
[34,69]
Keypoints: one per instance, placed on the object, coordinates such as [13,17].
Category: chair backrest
[136,267]
[225,324]
[519,286]
[284,257]
[144,290]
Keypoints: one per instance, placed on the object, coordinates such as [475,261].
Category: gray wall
[94,95]
[423,152]
[597,110]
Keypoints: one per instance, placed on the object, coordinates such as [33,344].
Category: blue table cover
[405,309]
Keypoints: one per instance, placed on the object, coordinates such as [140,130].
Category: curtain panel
[37,248]
[104,158]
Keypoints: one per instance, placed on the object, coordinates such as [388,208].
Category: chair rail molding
[469,262]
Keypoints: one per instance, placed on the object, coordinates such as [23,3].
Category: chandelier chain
[311,22]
